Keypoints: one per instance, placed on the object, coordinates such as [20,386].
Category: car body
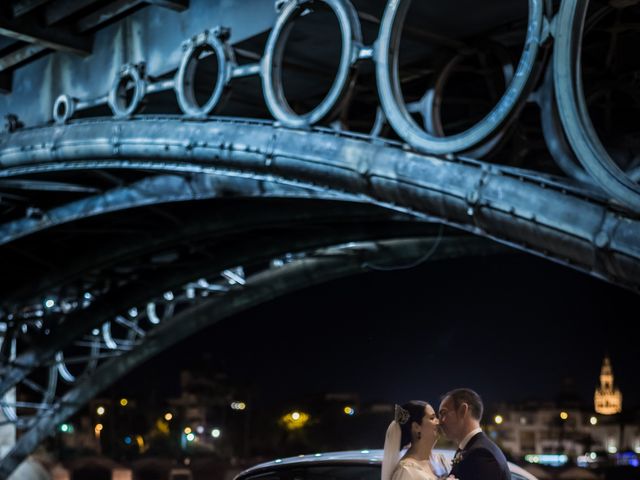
[348,465]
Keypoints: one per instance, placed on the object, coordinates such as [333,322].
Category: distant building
[547,428]
[607,399]
[567,427]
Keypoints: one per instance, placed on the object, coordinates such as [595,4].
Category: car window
[325,472]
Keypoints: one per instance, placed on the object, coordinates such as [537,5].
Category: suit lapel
[469,444]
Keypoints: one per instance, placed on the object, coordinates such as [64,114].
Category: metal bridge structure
[166,164]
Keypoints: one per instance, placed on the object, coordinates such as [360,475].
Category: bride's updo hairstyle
[410,412]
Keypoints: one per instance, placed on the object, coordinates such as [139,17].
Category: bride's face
[430,424]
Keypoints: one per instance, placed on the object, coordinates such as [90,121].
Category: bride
[414,423]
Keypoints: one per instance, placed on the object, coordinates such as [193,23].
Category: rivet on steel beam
[223,33]
[602,240]
[473,197]
[13,123]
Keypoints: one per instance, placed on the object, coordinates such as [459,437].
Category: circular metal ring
[573,109]
[553,134]
[63,108]
[273,59]
[392,100]
[117,94]
[185,80]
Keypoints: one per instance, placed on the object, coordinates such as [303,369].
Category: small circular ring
[117,101]
[273,59]
[391,98]
[63,108]
[185,80]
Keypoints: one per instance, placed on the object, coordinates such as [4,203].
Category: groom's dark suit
[481,459]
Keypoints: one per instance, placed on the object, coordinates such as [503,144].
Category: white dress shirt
[469,436]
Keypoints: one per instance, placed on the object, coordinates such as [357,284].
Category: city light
[124,402]
[215,433]
[498,419]
[553,460]
[191,437]
[187,430]
[238,406]
[593,421]
[49,303]
[564,415]
[612,449]
[295,420]
[127,440]
[349,411]
[200,429]
[100,410]
[168,416]
[99,428]
[66,428]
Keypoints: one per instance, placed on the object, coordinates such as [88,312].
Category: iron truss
[124,235]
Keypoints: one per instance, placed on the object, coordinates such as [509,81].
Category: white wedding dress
[410,469]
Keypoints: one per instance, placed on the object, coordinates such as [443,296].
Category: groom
[477,457]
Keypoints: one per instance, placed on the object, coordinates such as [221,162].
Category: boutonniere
[457,458]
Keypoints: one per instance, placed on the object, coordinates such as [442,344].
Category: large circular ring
[63,108]
[573,109]
[391,98]
[215,43]
[129,73]
[272,62]
[553,134]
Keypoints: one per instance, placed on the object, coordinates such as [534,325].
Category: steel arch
[542,215]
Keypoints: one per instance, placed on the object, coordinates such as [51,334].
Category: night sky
[513,327]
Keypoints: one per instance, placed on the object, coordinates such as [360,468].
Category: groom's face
[450,422]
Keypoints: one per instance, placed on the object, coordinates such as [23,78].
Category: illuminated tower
[607,399]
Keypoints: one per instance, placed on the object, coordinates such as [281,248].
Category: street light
[215,433]
[564,415]
[295,420]
[498,419]
[349,411]
[124,402]
[593,421]
[168,416]
[66,428]
[100,410]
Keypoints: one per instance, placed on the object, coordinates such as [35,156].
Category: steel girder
[222,218]
[542,215]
